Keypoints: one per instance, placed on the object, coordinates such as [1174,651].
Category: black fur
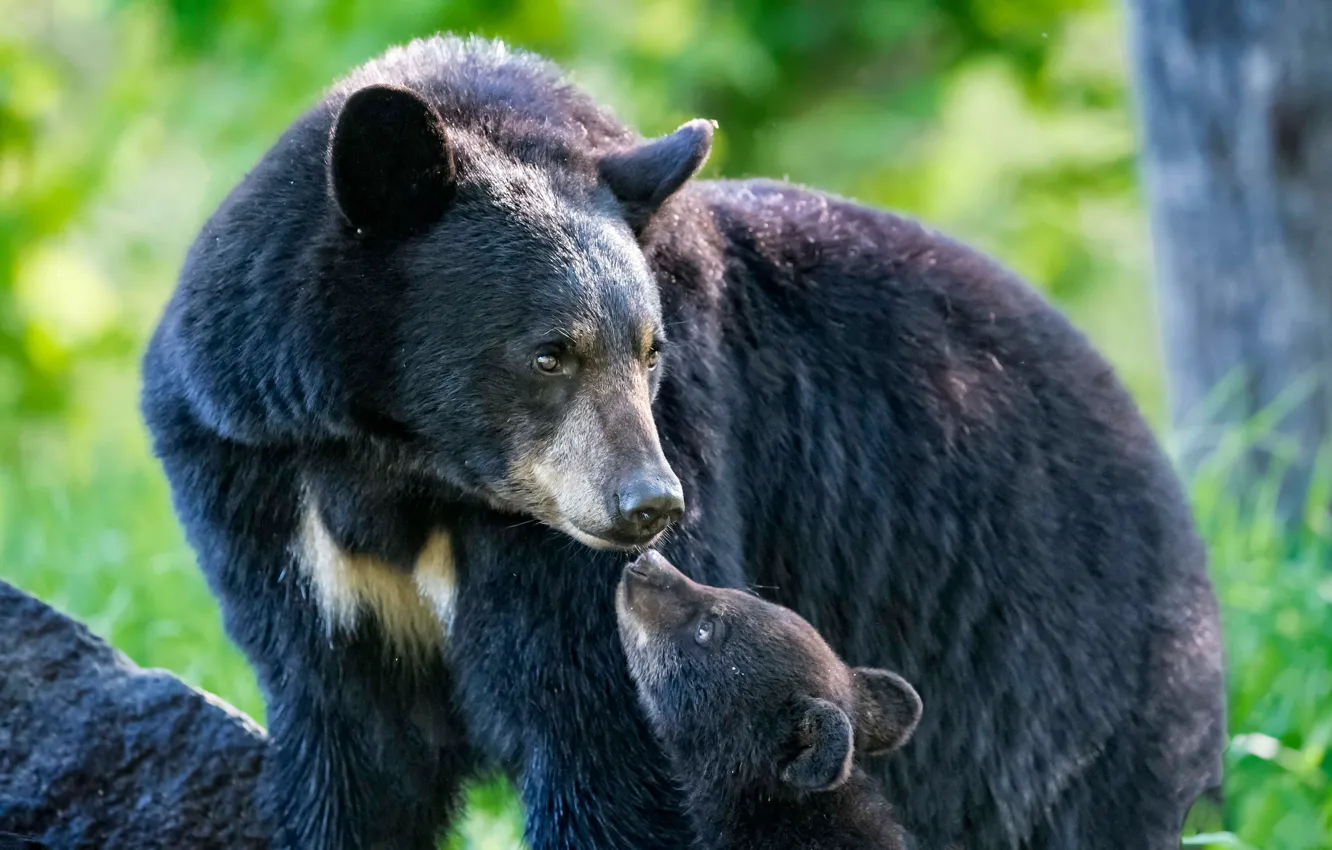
[881,428]
[759,716]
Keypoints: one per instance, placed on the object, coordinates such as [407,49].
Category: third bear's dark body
[873,424]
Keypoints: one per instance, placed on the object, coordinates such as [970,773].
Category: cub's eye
[704,633]
[548,363]
[653,358]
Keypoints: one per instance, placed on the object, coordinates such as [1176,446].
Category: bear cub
[759,716]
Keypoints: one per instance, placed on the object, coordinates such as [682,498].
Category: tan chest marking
[415,611]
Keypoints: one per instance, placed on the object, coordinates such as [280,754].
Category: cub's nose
[652,565]
[651,575]
[645,506]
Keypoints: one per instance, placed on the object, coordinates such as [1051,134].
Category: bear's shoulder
[866,260]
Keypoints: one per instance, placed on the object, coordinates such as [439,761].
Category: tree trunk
[1236,104]
[96,752]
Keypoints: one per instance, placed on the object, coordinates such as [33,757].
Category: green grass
[1275,586]
[104,547]
[93,533]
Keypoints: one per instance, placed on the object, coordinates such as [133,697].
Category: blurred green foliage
[1004,122]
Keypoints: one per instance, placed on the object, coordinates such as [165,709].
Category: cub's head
[748,691]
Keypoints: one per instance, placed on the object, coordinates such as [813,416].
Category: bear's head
[746,693]
[555,329]
[441,263]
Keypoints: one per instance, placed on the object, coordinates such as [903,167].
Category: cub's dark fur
[761,719]
[461,338]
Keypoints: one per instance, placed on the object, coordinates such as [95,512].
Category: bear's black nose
[646,506]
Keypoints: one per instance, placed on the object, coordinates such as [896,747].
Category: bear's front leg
[369,750]
[366,747]
[545,692]
[362,755]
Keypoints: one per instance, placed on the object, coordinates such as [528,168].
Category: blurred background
[1007,123]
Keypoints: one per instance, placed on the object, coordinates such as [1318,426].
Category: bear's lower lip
[606,540]
[633,545]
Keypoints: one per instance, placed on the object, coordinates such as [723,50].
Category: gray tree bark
[96,752]
[1235,98]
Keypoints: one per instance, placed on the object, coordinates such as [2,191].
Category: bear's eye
[653,358]
[704,633]
[548,363]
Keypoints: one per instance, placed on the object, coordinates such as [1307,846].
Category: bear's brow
[647,337]
[581,334]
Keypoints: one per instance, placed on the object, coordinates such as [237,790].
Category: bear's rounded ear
[825,738]
[390,169]
[887,710]
[643,177]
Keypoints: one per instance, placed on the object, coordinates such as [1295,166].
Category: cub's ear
[824,762]
[887,710]
[645,176]
[390,169]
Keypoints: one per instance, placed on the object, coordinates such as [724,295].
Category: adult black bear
[458,315]
[761,719]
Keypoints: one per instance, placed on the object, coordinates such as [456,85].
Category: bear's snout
[645,505]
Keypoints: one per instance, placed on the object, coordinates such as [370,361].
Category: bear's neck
[855,815]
